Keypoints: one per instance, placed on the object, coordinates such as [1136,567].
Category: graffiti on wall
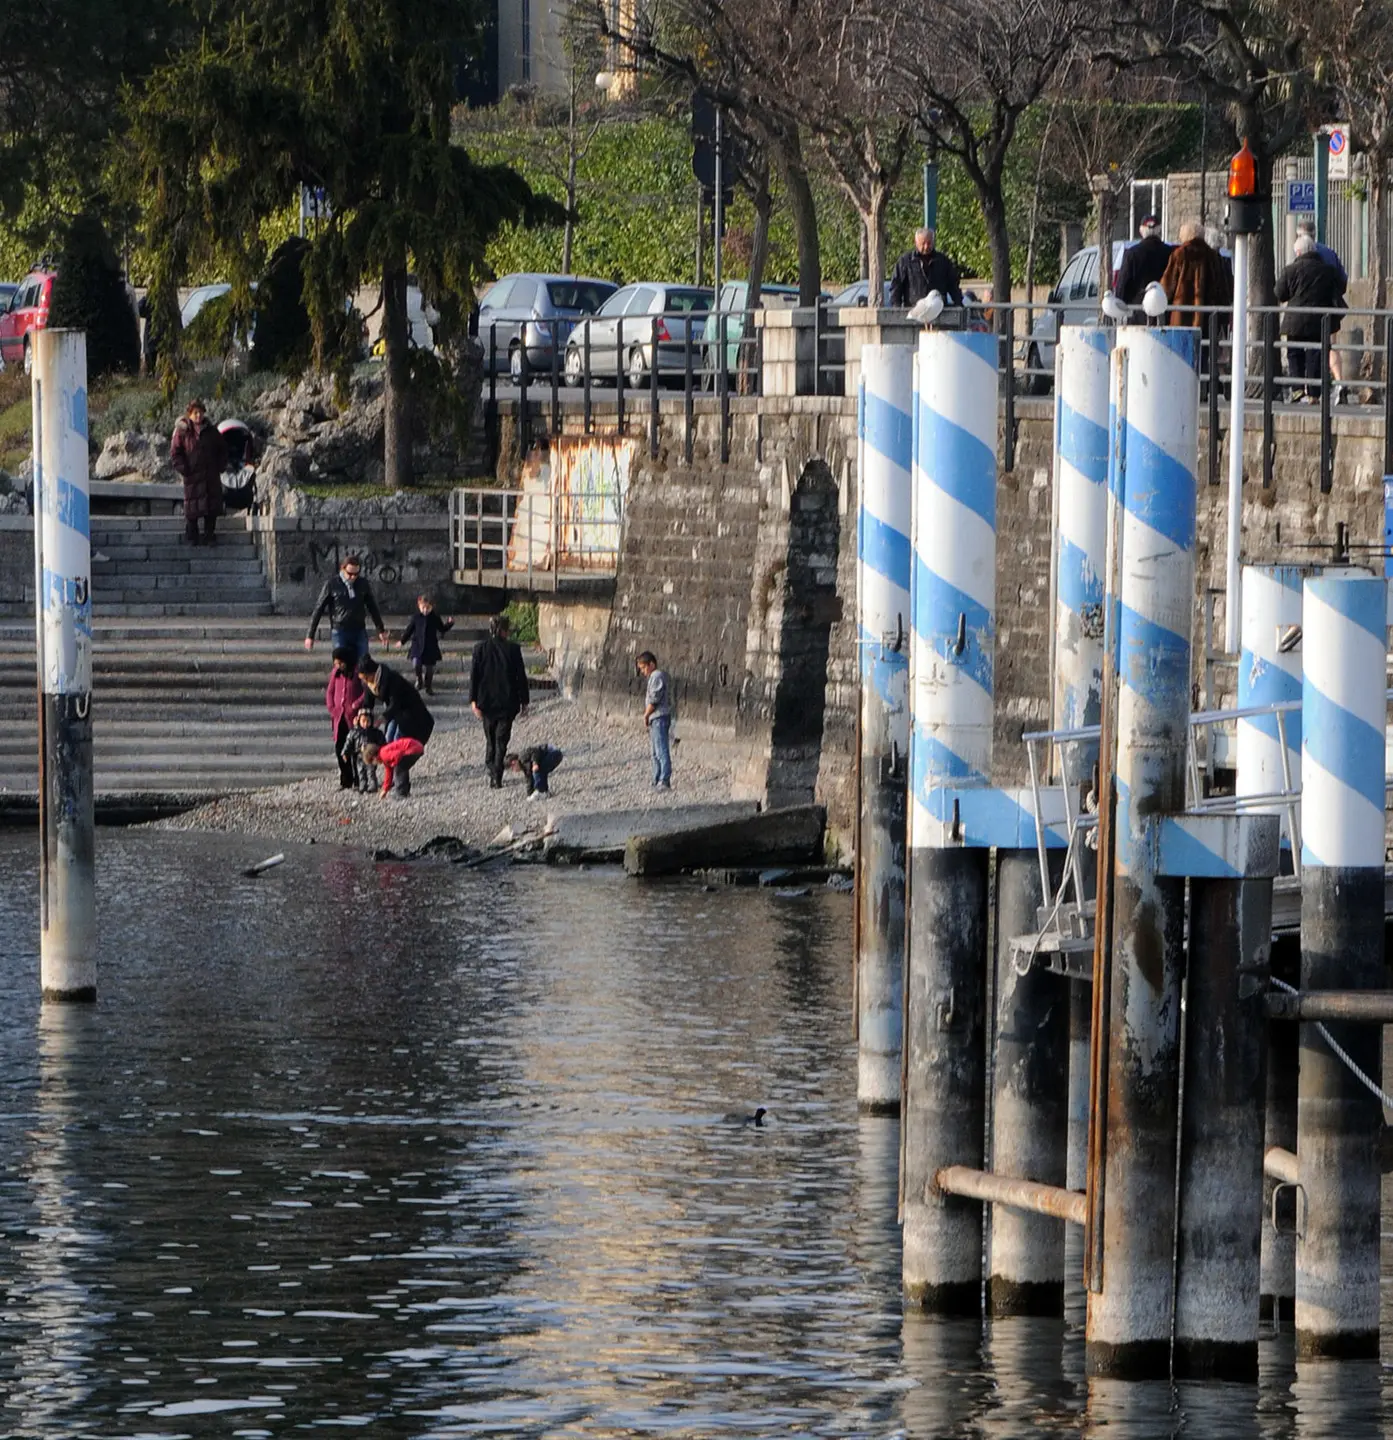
[571,512]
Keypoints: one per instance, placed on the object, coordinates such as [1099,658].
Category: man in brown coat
[198,454]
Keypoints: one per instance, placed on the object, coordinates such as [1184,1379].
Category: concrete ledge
[602,838]
[773,837]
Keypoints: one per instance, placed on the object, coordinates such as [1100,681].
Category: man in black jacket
[498,693]
[1142,263]
[1309,283]
[349,600]
[923,269]
[404,715]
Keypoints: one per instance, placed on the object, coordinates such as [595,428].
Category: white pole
[1233,600]
[63,606]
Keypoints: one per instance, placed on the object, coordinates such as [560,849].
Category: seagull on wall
[1154,300]
[927,310]
[1116,309]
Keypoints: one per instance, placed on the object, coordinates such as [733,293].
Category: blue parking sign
[1301,197]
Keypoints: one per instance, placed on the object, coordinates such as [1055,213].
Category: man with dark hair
[348,600]
[498,694]
[657,716]
[1143,262]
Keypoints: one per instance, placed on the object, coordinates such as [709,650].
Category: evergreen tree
[283,336]
[351,98]
[90,294]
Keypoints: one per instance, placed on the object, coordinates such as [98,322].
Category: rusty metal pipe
[1372,1007]
[1039,1199]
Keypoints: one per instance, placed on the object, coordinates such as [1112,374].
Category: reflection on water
[426,1152]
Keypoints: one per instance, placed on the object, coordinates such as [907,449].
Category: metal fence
[722,357]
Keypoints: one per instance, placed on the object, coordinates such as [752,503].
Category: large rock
[134,455]
[340,443]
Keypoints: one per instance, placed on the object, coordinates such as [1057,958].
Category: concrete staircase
[142,567]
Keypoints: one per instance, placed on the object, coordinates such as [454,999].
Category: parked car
[627,318]
[734,307]
[197,299]
[1073,301]
[857,293]
[26,313]
[530,318]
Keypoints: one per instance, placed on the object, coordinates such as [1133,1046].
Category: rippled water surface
[420,1151]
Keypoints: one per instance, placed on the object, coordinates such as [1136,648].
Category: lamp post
[1245,220]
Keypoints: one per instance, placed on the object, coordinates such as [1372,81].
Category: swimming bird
[757,1119]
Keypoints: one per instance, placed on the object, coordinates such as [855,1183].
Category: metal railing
[532,539]
[544,366]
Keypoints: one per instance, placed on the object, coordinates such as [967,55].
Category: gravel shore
[607,767]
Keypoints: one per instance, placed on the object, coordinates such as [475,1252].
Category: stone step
[142,582]
[216,563]
[154,547]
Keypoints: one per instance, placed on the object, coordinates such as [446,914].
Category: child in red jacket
[344,697]
[396,758]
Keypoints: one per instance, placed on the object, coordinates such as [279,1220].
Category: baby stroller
[239,478]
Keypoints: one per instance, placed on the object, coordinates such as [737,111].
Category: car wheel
[575,366]
[28,357]
[517,363]
[638,371]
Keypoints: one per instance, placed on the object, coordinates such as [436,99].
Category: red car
[28,311]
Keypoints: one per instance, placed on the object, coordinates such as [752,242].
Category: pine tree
[90,294]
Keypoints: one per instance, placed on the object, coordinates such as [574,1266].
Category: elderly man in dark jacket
[197,452]
[348,600]
[404,716]
[1142,263]
[923,269]
[1309,283]
[498,693]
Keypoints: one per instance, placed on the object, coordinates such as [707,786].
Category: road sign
[1301,197]
[1339,152]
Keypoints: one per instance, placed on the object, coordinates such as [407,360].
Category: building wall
[530,51]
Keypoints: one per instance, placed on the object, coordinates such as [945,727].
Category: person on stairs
[403,708]
[348,600]
[198,453]
[423,631]
[498,693]
[344,697]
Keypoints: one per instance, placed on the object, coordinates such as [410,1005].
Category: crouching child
[396,758]
[535,764]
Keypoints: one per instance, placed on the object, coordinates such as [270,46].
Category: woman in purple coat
[197,452]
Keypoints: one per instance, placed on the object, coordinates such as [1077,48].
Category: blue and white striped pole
[1156,388]
[1338,1122]
[953,598]
[1082,359]
[63,600]
[887,458]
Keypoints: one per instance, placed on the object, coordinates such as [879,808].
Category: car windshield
[687,302]
[584,295]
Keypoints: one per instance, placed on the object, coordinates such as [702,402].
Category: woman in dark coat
[198,454]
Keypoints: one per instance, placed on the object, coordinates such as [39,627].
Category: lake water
[417,1151]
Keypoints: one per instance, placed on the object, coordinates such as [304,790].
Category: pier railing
[534,539]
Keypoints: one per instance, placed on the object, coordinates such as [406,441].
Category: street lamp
[605,81]
[1245,210]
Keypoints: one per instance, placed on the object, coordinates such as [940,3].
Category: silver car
[1073,301]
[525,319]
[620,334]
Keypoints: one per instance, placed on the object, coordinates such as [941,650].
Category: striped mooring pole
[1130,1235]
[1338,1121]
[951,658]
[1269,673]
[1080,560]
[884,558]
[63,631]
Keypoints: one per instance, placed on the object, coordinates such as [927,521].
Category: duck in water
[756,1120]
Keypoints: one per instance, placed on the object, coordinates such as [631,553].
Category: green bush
[90,294]
[522,618]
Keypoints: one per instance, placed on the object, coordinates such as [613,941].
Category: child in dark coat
[363,734]
[423,631]
[344,698]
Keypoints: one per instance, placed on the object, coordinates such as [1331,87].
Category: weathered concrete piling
[63,591]
[951,655]
[1342,948]
[887,457]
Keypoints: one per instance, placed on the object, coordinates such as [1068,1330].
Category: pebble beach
[607,767]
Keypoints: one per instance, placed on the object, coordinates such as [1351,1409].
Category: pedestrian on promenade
[923,269]
[344,697]
[404,714]
[1332,258]
[498,693]
[197,451]
[424,630]
[396,758]
[657,715]
[535,765]
[1142,263]
[363,734]
[1308,283]
[348,600]
[1195,276]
